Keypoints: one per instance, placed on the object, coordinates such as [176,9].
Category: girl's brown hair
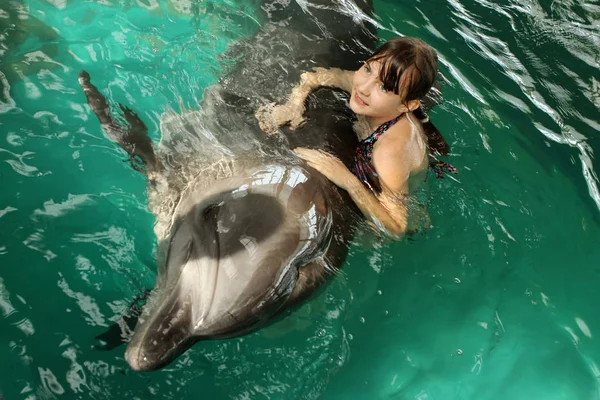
[408,67]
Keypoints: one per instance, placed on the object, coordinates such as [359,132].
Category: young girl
[392,157]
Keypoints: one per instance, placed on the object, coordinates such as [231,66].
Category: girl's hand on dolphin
[271,116]
[329,166]
[266,119]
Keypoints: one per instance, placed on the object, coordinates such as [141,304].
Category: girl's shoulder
[405,132]
[404,141]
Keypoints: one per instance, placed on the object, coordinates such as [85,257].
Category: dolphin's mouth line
[233,317]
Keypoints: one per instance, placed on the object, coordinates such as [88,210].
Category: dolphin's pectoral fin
[132,136]
[137,165]
[112,338]
[120,332]
[133,119]
[136,162]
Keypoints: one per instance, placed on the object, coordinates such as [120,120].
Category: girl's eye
[383,89]
[367,68]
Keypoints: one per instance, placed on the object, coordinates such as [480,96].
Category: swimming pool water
[497,301]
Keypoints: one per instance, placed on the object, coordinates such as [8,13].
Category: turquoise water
[497,301]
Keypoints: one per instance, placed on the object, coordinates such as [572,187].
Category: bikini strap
[381,129]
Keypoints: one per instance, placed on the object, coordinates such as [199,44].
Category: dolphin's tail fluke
[132,136]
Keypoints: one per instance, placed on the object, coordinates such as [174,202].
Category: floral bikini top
[363,167]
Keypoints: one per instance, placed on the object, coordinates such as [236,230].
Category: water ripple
[483,299]
[52,209]
[86,303]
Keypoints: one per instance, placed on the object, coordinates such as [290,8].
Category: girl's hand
[329,166]
[271,116]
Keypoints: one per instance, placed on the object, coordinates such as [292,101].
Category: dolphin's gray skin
[245,230]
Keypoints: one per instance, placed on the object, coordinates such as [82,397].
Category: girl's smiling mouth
[359,100]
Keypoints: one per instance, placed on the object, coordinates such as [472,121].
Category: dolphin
[245,230]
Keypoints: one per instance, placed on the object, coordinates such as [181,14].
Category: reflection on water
[496,301]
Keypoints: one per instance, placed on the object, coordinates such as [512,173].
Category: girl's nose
[365,87]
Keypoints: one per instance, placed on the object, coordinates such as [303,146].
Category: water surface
[497,301]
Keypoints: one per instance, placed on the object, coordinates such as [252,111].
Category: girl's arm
[271,116]
[394,162]
[332,77]
[386,210]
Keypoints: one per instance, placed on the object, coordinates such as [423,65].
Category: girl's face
[370,99]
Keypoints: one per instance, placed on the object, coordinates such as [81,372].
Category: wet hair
[409,67]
